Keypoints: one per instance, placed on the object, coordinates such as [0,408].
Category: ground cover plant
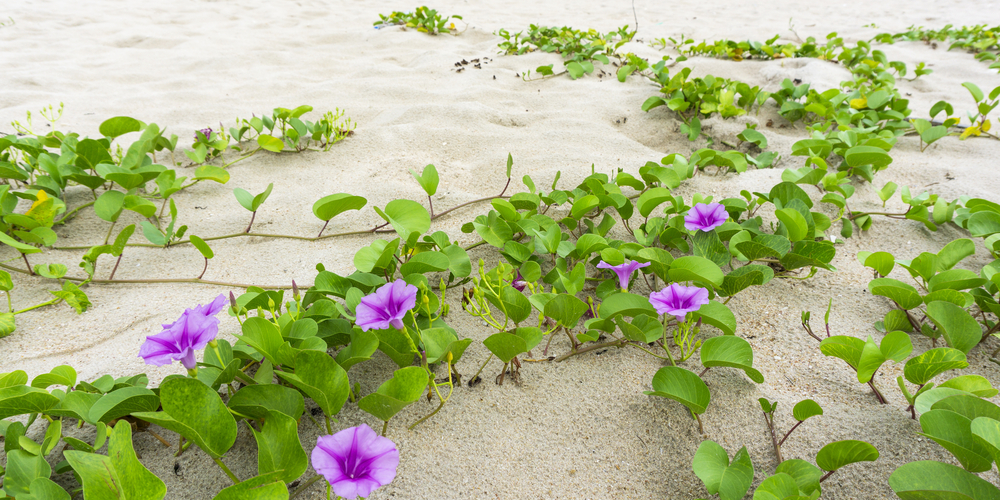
[614,261]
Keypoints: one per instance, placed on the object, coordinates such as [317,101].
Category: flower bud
[295,290]
[232,302]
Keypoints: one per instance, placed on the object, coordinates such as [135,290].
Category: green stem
[248,155]
[329,429]
[226,470]
[71,213]
[385,427]
[304,485]
[36,306]
[108,236]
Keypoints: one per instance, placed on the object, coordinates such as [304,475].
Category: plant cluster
[979,40]
[424,19]
[617,260]
[41,169]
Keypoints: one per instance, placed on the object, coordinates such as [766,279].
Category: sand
[577,429]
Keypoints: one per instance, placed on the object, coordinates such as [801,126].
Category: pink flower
[624,271]
[678,300]
[387,306]
[705,217]
[180,339]
[355,461]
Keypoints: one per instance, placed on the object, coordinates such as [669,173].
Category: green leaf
[119,126]
[974,90]
[330,206]
[780,486]
[805,409]
[696,269]
[7,325]
[193,410]
[730,351]
[921,369]
[930,480]
[255,401]
[986,432]
[718,315]
[139,205]
[973,384]
[709,246]
[565,309]
[212,173]
[98,475]
[840,453]
[806,475]
[428,179]
[901,293]
[867,155]
[321,378]
[730,480]
[844,347]
[122,239]
[405,387]
[954,433]
[43,488]
[24,468]
[881,262]
[361,348]
[626,304]
[744,277]
[505,346]
[263,487]
[60,375]
[407,217]
[270,143]
[960,330]
[682,386]
[425,262]
[21,399]
[110,205]
[51,271]
[438,342]
[278,447]
[139,482]
[202,247]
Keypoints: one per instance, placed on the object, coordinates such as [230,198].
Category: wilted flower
[387,306]
[355,461]
[679,300]
[624,271]
[518,282]
[705,217]
[207,132]
[179,340]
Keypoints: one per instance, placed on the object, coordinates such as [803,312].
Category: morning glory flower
[207,132]
[624,271]
[705,217]
[387,306]
[355,461]
[179,340]
[678,300]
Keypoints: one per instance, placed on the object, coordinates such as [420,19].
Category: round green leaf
[921,369]
[840,453]
[407,217]
[255,401]
[202,247]
[805,409]
[270,143]
[927,479]
[682,386]
[697,269]
[730,351]
[330,206]
[119,125]
[960,330]
[405,387]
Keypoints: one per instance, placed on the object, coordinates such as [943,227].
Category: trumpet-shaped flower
[678,300]
[518,282]
[624,271]
[387,306]
[179,340]
[355,461]
[705,217]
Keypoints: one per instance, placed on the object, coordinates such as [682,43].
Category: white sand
[578,429]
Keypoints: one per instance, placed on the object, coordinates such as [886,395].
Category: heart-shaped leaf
[927,479]
[682,386]
[405,387]
[255,401]
[137,481]
[954,433]
[731,351]
[321,378]
[840,453]
[730,480]
[193,410]
[279,448]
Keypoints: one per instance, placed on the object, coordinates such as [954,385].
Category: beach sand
[577,429]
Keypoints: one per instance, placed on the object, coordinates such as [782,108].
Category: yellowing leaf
[43,209]
[859,103]
[986,126]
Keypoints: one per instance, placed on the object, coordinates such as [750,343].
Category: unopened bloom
[678,300]
[179,340]
[624,271]
[705,217]
[355,461]
[386,307]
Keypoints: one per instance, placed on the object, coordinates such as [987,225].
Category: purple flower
[355,461]
[679,300]
[518,282]
[207,132]
[180,339]
[386,307]
[705,217]
[624,271]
